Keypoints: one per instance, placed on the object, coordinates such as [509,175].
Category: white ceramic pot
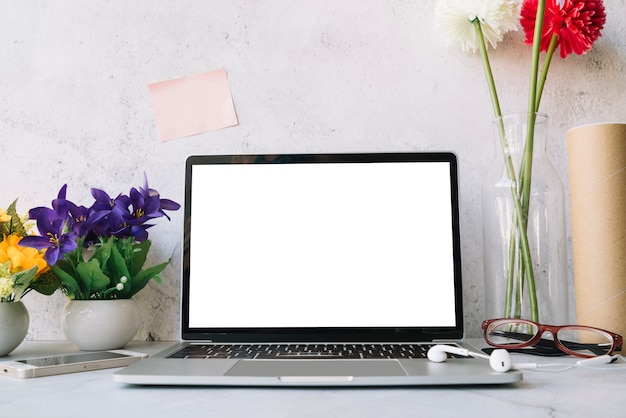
[101,324]
[14,322]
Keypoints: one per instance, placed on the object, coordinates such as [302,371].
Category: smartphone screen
[72,358]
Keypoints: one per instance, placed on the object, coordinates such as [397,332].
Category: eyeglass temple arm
[594,348]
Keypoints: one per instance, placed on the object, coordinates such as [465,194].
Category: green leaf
[140,253]
[14,225]
[125,247]
[69,284]
[117,265]
[142,278]
[22,282]
[67,266]
[103,254]
[46,284]
[118,269]
[92,278]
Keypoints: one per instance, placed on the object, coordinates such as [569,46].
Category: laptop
[318,270]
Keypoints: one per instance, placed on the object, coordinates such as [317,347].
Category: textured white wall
[306,76]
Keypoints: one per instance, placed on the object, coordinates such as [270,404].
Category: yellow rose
[22,258]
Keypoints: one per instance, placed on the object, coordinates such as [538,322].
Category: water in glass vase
[524,238]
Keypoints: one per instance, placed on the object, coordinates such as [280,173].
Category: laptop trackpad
[344,368]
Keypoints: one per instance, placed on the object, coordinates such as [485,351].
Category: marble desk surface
[576,392]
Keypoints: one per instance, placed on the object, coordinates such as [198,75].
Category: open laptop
[309,270]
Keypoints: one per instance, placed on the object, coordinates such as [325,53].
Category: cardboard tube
[597,180]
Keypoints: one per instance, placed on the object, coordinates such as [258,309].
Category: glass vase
[524,237]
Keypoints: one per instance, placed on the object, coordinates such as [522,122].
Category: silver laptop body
[335,251]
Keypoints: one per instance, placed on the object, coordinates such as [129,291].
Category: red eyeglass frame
[553,329]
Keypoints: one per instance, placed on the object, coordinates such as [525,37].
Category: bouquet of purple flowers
[98,252]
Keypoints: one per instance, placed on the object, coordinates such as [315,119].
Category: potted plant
[98,254]
[22,269]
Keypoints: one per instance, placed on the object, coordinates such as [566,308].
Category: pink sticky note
[191,105]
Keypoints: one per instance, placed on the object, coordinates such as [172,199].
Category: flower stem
[487,66]
[520,217]
[534,70]
[544,71]
[527,159]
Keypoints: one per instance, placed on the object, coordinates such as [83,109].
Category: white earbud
[499,360]
[438,352]
[594,361]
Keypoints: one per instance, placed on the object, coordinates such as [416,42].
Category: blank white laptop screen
[321,245]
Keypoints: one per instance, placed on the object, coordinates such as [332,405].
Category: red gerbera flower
[576,23]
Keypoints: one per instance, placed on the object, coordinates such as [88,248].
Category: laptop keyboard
[303,351]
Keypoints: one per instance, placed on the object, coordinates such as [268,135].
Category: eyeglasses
[577,340]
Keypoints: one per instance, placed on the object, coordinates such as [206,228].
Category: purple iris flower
[78,219]
[122,217]
[165,204]
[53,238]
[144,204]
[52,224]
[101,223]
[144,207]
[106,215]
[59,206]
[129,216]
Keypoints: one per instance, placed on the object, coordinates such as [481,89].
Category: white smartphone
[69,363]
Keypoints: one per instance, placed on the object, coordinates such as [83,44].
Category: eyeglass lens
[576,340]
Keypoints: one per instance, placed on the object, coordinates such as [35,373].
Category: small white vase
[14,322]
[101,324]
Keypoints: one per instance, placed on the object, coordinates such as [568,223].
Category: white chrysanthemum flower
[454,19]
[5,269]
[6,287]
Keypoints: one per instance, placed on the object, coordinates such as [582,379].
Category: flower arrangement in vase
[569,26]
[98,254]
[22,269]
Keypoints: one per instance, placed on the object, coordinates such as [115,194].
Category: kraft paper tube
[597,178]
